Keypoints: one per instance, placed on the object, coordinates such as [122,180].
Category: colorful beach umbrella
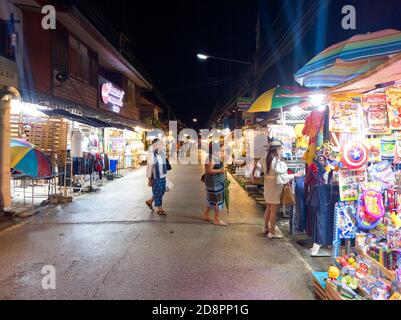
[347,59]
[29,160]
[227,183]
[273,99]
[340,72]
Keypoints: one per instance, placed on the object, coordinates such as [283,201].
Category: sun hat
[275,145]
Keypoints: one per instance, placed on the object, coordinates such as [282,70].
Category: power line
[282,48]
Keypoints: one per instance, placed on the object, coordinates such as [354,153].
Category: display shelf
[389,274]
[333,294]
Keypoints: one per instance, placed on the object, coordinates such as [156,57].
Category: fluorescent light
[296,110]
[202,56]
[17,106]
[317,99]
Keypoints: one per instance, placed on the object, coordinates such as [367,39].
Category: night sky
[166,36]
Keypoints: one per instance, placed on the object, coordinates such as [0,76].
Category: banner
[345,113]
[375,116]
[394,107]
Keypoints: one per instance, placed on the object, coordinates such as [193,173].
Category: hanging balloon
[355,155]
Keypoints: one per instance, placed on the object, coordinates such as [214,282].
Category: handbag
[168,165]
[287,196]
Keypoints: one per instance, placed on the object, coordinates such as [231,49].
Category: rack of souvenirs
[364,157]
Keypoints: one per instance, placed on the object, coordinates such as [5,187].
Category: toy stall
[363,157]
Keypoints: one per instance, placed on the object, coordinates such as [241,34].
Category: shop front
[353,185]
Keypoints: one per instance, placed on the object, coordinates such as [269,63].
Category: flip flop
[161,213]
[208,219]
[220,223]
[149,205]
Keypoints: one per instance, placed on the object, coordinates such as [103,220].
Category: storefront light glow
[296,110]
[317,99]
[17,106]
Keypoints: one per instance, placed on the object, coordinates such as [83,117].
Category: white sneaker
[274,236]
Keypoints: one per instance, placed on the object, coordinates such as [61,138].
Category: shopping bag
[287,197]
[169,185]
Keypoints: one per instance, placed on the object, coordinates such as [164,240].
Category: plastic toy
[373,202]
[350,282]
[370,209]
[333,273]
[395,219]
[355,155]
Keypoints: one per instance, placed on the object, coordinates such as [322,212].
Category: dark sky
[166,35]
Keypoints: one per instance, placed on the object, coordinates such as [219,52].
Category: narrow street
[108,245]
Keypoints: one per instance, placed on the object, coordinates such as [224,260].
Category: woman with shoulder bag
[157,172]
[276,177]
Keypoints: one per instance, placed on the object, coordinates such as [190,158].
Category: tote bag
[287,197]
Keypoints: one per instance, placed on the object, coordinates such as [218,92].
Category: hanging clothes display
[76,143]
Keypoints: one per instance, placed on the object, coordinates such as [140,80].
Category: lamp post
[202,56]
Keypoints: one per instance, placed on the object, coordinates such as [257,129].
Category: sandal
[220,223]
[208,219]
[161,213]
[149,205]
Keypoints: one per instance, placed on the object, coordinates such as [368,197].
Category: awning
[74,117]
[95,117]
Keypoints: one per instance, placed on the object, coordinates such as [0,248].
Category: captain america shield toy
[355,155]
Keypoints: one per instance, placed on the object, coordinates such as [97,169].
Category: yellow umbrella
[272,99]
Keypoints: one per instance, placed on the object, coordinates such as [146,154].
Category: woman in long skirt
[214,181]
[157,173]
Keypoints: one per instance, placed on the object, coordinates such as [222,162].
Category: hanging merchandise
[375,117]
[345,113]
[370,209]
[397,151]
[382,173]
[349,183]
[355,155]
[374,149]
[346,212]
[394,107]
[388,148]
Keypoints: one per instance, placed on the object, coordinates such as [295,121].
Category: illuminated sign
[112,96]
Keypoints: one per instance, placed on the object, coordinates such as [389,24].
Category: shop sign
[112,96]
[8,73]
[244,103]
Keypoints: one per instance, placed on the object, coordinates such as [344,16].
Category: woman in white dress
[276,176]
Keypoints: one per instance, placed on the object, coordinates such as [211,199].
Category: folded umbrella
[227,194]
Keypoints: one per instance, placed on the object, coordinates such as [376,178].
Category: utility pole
[255,85]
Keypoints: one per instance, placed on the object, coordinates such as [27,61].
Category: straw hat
[275,145]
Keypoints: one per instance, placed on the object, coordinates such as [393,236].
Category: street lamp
[195,120]
[202,56]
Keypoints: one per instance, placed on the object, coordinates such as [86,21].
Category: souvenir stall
[367,219]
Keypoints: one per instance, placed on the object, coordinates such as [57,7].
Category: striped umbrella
[348,59]
[29,160]
[275,99]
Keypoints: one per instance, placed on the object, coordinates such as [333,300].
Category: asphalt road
[109,245]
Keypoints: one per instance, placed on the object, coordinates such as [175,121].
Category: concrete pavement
[108,245]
